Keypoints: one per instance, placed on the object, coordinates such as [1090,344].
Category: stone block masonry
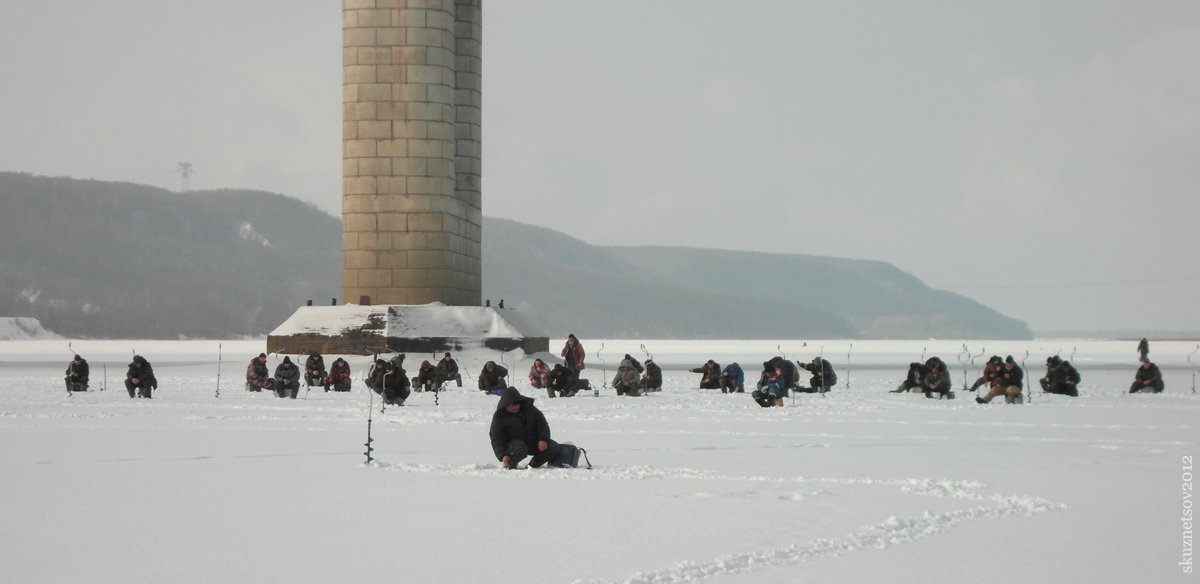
[411,196]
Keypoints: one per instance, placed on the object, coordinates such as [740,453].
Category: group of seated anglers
[1004,377]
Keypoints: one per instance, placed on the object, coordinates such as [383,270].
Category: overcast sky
[1042,157]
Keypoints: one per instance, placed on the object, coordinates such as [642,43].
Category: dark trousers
[1156,387]
[518,450]
[143,388]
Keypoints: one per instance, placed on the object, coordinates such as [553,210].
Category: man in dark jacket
[561,381]
[140,376]
[448,369]
[518,430]
[936,379]
[314,369]
[427,377]
[1148,378]
[710,375]
[823,376]
[1063,379]
[1009,384]
[77,374]
[396,387]
[492,378]
[287,379]
[652,378]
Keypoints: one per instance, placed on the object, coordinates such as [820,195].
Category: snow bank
[18,328]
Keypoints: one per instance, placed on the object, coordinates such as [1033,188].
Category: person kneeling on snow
[823,376]
[427,377]
[339,376]
[258,377]
[539,375]
[772,388]
[396,387]
[733,379]
[140,376]
[1148,378]
[652,378]
[77,374]
[492,378]
[518,430]
[626,381]
[1010,384]
[561,381]
[710,375]
[937,379]
[287,379]
[314,369]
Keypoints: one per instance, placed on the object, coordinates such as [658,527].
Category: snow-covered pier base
[352,329]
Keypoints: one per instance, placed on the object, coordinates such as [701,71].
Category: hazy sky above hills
[1042,157]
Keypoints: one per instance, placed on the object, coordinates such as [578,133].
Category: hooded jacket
[527,425]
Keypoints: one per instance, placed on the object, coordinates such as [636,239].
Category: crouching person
[77,374]
[519,430]
[733,379]
[561,381]
[916,373]
[937,379]
[627,381]
[287,379]
[652,377]
[140,376]
[339,376]
[823,376]
[493,378]
[427,377]
[258,377]
[772,388]
[396,387]
[539,376]
[710,375]
[1147,379]
[314,370]
[1010,383]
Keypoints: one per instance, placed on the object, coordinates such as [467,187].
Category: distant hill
[649,292]
[104,259]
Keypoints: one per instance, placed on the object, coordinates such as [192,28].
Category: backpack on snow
[568,456]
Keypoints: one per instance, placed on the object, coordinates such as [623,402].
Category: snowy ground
[688,485]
